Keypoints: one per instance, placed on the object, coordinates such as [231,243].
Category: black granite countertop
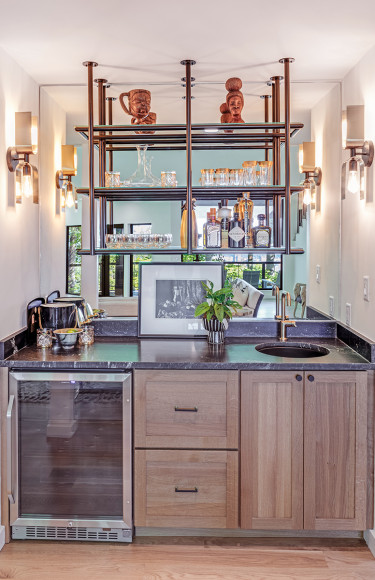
[236,353]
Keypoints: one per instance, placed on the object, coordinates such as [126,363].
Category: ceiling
[141,45]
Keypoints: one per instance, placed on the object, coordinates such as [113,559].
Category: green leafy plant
[217,304]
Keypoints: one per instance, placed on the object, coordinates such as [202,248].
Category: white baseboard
[2,537]
[369,536]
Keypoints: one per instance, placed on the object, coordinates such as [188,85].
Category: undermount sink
[292,349]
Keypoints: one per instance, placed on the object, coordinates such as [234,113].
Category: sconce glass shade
[18,183]
[309,190]
[69,199]
[353,185]
[27,180]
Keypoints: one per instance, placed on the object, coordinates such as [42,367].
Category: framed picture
[168,295]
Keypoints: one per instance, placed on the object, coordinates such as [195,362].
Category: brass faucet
[284,322]
[276,292]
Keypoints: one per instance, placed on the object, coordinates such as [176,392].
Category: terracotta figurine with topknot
[232,108]
[139,107]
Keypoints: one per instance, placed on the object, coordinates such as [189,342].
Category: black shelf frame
[109,138]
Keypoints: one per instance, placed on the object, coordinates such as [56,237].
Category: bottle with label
[261,233]
[213,231]
[236,234]
[224,215]
[248,205]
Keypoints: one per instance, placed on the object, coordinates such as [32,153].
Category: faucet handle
[287,296]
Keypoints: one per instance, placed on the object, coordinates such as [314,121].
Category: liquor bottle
[205,230]
[183,229]
[261,233]
[224,215]
[248,205]
[238,208]
[236,234]
[213,231]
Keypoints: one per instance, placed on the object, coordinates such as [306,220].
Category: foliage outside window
[73,260]
[137,259]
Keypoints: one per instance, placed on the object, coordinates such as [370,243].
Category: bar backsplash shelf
[267,136]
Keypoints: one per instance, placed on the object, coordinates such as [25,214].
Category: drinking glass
[168,179]
[43,338]
[112,179]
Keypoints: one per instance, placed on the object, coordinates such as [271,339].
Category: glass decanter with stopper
[143,176]
[261,233]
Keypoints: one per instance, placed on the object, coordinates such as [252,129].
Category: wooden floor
[189,559]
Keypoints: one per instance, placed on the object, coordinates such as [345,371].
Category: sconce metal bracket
[13,159]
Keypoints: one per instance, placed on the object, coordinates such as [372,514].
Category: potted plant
[216,310]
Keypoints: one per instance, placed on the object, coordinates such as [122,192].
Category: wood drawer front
[186,409]
[211,481]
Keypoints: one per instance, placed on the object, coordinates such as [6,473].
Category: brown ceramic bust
[232,108]
[139,107]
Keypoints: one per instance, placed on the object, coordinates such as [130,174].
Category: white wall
[32,255]
[325,224]
[345,254]
[19,223]
[52,219]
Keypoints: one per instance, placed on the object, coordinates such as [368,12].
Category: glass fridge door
[73,462]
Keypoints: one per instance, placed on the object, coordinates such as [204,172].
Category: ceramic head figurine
[234,102]
[139,107]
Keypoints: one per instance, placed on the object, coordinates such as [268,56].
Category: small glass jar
[249,173]
[44,338]
[222,177]
[208,177]
[87,335]
[236,177]
[168,179]
[112,179]
[265,172]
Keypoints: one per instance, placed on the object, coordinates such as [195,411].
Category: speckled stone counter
[133,353]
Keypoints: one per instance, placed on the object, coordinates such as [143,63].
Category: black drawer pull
[299,377]
[186,490]
[311,378]
[187,409]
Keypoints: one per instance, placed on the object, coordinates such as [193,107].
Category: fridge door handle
[9,449]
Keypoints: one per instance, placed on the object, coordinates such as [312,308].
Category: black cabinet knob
[299,377]
[311,378]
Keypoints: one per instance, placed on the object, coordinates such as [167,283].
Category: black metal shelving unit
[188,137]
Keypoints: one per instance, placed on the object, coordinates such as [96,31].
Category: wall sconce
[313,175]
[26,139]
[361,151]
[64,176]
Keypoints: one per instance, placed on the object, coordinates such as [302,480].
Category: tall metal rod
[286,62]
[90,97]
[110,158]
[189,197]
[277,158]
[266,152]
[275,230]
[102,159]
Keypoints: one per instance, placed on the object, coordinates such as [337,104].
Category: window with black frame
[111,269]
[73,260]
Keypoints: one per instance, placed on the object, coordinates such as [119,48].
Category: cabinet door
[183,489]
[186,409]
[336,470]
[271,450]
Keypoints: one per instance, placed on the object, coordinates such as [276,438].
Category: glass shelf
[175,250]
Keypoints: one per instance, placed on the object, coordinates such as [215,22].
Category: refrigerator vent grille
[81,534]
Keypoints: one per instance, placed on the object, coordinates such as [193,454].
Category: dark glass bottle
[236,234]
[261,233]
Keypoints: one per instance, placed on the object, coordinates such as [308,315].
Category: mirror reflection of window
[136,259]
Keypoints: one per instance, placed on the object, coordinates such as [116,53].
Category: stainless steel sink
[292,349]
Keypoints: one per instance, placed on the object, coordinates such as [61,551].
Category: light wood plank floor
[189,559]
